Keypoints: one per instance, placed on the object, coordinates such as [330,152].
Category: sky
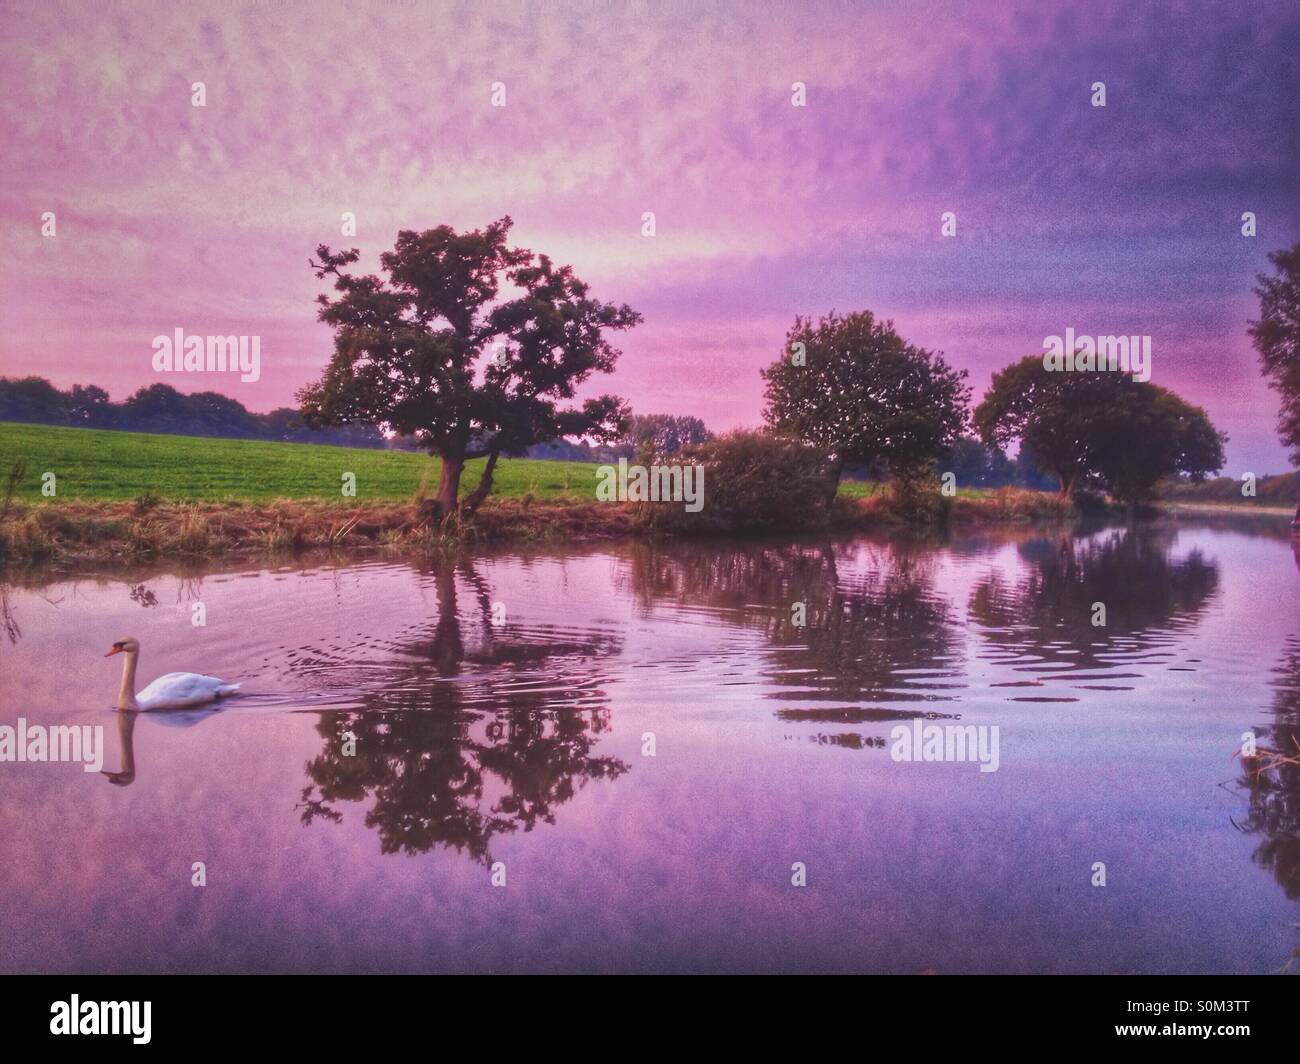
[1122,219]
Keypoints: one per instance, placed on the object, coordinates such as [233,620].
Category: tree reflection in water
[1272,785]
[447,766]
[875,627]
[1045,616]
[476,732]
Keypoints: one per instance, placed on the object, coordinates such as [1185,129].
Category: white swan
[173,691]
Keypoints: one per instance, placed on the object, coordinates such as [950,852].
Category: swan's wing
[182,689]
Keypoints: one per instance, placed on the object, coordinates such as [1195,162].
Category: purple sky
[1123,219]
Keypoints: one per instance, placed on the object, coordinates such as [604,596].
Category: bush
[916,497]
[753,483]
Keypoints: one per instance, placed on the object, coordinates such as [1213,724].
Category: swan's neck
[126,693]
[125,735]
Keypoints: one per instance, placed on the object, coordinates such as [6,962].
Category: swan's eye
[118,646]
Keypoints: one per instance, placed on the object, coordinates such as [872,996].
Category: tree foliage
[865,395]
[1276,335]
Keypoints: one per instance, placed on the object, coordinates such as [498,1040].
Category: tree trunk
[444,505]
[1067,484]
[833,480]
[448,649]
[475,499]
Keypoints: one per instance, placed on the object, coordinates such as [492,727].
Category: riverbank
[78,531]
[1260,509]
[120,496]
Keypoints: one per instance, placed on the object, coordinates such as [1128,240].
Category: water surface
[503,709]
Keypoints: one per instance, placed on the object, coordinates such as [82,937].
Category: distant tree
[1029,471]
[975,464]
[1122,434]
[561,451]
[157,408]
[160,408]
[284,423]
[663,433]
[1276,336]
[864,395]
[32,399]
[215,414]
[287,423]
[404,443]
[431,352]
[88,406]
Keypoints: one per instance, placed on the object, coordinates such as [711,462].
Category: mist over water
[523,742]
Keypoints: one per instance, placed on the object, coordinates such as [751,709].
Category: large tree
[1120,434]
[437,352]
[1276,336]
[852,386]
[1155,434]
[1056,415]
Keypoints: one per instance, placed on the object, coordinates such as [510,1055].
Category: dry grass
[74,531]
[1012,504]
[994,506]
[1263,760]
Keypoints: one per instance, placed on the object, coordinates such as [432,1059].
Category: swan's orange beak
[112,651]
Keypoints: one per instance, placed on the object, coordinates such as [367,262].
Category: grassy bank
[126,496]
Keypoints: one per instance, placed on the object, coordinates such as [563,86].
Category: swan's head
[129,645]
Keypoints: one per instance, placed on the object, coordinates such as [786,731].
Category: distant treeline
[657,433]
[1277,490]
[979,465]
[162,409]
[554,451]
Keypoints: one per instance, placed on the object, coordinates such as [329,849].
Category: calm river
[622,758]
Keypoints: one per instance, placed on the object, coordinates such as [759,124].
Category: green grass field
[866,489]
[95,464]
[92,464]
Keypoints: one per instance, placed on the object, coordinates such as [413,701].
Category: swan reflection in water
[126,718]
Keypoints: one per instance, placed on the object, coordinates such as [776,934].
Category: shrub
[753,483]
[916,497]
